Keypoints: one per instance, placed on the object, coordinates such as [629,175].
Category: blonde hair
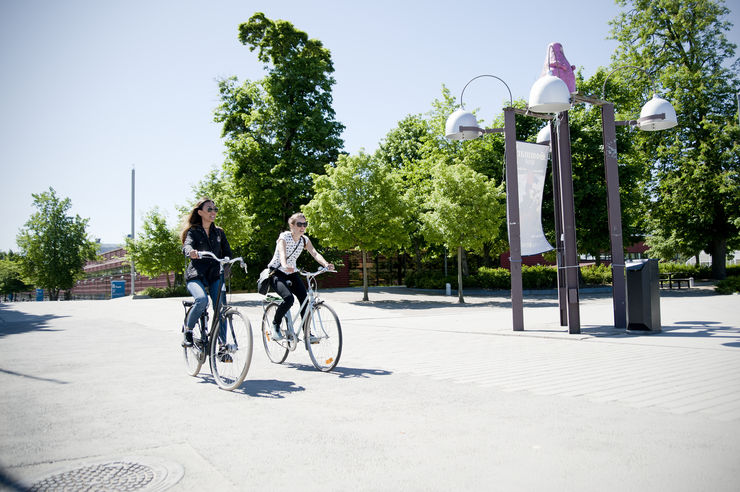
[193,218]
[294,218]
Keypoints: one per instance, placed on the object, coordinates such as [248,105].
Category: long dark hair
[193,218]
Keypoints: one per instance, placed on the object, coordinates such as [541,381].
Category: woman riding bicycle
[199,233]
[285,280]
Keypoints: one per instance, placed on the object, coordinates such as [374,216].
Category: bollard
[448,289]
[691,282]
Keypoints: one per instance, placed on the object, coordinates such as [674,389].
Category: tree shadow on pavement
[426,304]
[13,322]
[710,329]
[344,372]
[35,378]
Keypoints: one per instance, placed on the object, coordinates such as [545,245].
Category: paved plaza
[429,395]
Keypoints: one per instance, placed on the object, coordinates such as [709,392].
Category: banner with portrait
[531,162]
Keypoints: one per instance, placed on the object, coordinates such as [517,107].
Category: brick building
[111,266]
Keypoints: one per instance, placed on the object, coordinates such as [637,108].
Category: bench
[668,278]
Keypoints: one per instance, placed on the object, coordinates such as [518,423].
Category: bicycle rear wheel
[275,352]
[324,338]
[230,360]
[194,355]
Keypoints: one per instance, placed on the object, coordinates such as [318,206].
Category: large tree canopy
[281,129]
[358,204]
[54,245]
[696,167]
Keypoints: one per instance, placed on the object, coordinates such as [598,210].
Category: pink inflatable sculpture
[556,62]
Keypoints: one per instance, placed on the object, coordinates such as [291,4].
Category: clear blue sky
[91,88]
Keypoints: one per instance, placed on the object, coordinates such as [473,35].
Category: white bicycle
[320,329]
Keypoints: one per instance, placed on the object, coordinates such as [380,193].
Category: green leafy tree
[589,182]
[54,245]
[466,211]
[233,215]
[696,166]
[357,205]
[279,130]
[157,250]
[11,274]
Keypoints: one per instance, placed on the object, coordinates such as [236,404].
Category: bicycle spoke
[324,338]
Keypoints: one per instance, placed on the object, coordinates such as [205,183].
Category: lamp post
[656,114]
[462,125]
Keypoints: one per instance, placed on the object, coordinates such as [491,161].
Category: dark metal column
[512,203]
[615,214]
[569,223]
[559,250]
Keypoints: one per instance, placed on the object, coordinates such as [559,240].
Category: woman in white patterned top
[286,281]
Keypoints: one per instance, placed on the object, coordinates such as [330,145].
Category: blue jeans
[198,291]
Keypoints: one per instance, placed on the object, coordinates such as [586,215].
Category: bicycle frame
[308,303]
[219,309]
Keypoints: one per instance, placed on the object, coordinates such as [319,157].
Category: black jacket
[205,269]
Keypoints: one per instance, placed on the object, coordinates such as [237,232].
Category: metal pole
[512,203]
[569,224]
[559,250]
[133,195]
[615,214]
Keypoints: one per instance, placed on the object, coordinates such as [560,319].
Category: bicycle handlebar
[317,272]
[225,261]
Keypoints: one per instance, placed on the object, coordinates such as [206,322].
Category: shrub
[156,292]
[596,274]
[539,277]
[494,278]
[697,272]
[730,285]
[733,270]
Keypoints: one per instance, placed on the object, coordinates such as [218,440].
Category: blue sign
[117,288]
[39,294]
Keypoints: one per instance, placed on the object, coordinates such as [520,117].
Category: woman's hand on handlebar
[194,255]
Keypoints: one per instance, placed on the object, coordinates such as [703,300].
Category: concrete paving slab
[428,395]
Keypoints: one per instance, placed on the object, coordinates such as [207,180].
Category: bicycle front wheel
[324,338]
[275,351]
[230,358]
[194,355]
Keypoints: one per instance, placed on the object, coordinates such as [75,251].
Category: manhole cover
[126,474]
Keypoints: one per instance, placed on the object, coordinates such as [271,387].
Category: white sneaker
[275,333]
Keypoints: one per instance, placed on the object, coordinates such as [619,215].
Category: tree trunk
[465,269]
[459,275]
[719,258]
[364,275]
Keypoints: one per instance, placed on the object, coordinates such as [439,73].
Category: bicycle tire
[195,354]
[230,361]
[323,337]
[275,352]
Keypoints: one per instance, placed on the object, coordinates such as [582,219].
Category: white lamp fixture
[465,119]
[543,136]
[650,115]
[549,94]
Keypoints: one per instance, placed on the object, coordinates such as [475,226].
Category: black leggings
[287,285]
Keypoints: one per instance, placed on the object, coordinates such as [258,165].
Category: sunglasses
[211,209]
[301,224]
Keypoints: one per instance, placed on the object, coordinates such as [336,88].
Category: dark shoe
[188,339]
[224,356]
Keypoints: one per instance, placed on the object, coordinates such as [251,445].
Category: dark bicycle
[231,350]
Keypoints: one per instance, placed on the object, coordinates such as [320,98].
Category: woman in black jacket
[199,233]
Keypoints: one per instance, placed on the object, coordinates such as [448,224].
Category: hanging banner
[531,161]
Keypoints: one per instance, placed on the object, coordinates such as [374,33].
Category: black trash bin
[643,296]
